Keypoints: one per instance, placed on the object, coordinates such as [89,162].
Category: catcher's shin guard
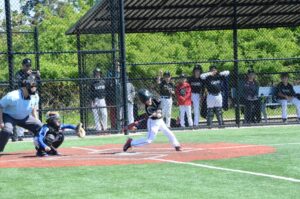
[210,117]
[219,114]
[4,137]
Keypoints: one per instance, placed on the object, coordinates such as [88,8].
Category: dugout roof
[189,15]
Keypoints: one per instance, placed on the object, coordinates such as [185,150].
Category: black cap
[250,71]
[213,67]
[182,75]
[26,62]
[285,74]
[167,73]
[197,67]
[144,95]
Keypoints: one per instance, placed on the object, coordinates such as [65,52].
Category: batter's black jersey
[98,89]
[156,105]
[214,84]
[197,85]
[166,89]
[285,90]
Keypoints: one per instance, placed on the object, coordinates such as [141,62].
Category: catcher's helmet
[52,119]
[26,62]
[144,95]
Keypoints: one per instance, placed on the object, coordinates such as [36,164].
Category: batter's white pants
[196,106]
[284,103]
[19,131]
[214,100]
[130,113]
[188,111]
[167,109]
[153,126]
[103,111]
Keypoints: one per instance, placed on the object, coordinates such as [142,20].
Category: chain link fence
[81,76]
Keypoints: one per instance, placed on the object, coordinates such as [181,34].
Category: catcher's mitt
[80,132]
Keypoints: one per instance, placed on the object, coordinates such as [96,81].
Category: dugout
[119,18]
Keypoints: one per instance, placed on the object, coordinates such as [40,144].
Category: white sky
[14,5]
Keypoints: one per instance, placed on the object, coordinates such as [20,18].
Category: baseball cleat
[178,148]
[40,153]
[127,145]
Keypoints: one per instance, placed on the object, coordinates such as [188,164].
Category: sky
[14,4]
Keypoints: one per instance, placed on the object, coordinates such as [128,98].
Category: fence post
[10,55]
[37,64]
[123,61]
[236,63]
[79,57]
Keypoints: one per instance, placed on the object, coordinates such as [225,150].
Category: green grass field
[168,180]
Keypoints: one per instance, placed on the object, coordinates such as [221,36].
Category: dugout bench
[268,98]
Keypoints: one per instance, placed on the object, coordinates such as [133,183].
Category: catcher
[51,136]
[155,123]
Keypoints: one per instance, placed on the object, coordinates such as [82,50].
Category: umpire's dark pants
[29,123]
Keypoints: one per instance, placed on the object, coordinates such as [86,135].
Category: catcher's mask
[144,95]
[52,119]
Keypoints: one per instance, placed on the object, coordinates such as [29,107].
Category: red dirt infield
[112,155]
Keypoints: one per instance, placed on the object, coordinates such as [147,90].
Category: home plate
[127,153]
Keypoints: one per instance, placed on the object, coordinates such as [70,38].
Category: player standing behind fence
[213,82]
[98,94]
[286,93]
[166,90]
[184,99]
[130,99]
[251,99]
[197,85]
[16,109]
[154,123]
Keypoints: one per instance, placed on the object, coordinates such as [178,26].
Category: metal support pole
[10,56]
[236,63]
[37,65]
[79,57]
[123,60]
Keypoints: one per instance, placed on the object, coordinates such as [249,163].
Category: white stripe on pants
[284,103]
[196,107]
[188,111]
[153,126]
[103,112]
[167,109]
[130,113]
[214,100]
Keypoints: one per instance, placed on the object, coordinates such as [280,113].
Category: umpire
[16,109]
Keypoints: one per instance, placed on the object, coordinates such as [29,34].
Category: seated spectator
[285,93]
[184,99]
[250,99]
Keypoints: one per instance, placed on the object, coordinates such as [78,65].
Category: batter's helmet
[144,95]
[26,62]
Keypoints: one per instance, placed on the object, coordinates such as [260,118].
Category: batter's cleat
[127,145]
[178,148]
